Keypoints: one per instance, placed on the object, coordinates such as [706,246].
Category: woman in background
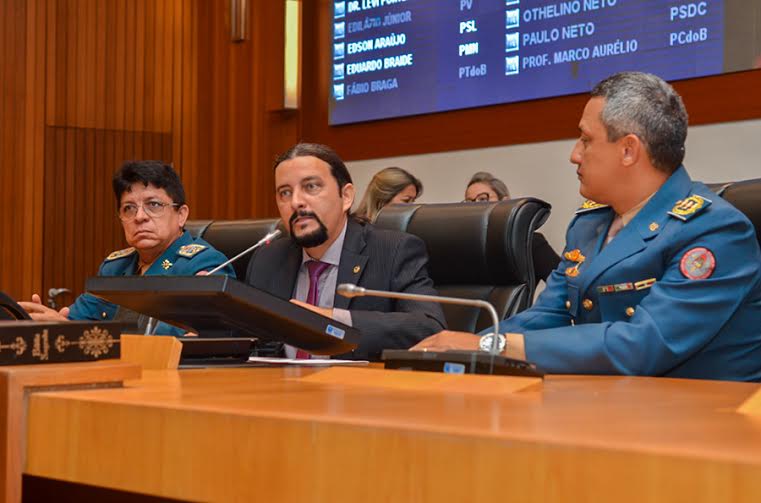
[388,186]
[484,187]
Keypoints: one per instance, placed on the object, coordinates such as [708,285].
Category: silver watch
[486,342]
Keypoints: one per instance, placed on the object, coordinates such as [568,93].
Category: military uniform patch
[189,251]
[121,253]
[687,208]
[697,263]
[590,205]
[574,256]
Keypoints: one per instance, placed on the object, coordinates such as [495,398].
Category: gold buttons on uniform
[103,315]
[587,304]
[629,311]
[568,304]
[654,226]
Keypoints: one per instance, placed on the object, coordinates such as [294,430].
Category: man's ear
[347,196]
[183,212]
[631,149]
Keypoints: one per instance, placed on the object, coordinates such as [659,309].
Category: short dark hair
[322,152]
[156,173]
[647,106]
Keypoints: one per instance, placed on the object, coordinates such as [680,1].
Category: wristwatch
[487,340]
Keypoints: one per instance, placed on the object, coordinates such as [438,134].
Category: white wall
[719,152]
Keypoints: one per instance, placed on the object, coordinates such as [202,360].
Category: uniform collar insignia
[121,253]
[688,207]
[189,251]
[590,205]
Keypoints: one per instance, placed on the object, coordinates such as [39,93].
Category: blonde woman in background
[388,186]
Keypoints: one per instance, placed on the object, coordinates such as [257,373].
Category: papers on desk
[313,362]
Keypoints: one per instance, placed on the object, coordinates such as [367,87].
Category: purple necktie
[315,268]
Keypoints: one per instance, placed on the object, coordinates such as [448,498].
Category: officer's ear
[631,149]
[182,215]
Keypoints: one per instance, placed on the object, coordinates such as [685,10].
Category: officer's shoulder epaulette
[590,205]
[687,208]
[120,254]
[191,250]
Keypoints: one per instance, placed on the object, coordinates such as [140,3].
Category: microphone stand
[351,290]
[151,327]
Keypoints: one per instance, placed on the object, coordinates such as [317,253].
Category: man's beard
[315,238]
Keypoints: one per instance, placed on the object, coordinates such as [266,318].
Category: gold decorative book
[25,342]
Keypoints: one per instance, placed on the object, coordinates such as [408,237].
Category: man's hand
[446,340]
[39,312]
[324,311]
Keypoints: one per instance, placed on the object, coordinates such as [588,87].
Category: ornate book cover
[25,342]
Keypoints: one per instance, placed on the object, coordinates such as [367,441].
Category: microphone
[264,241]
[351,290]
[151,327]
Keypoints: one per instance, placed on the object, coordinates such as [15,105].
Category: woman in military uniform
[151,205]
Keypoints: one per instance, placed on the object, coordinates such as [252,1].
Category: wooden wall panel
[230,129]
[721,98]
[81,226]
[20,148]
[87,84]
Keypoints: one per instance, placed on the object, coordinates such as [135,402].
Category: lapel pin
[356,269]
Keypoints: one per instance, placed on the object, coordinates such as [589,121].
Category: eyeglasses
[154,209]
[483,197]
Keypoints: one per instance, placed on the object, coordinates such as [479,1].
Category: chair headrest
[473,243]
[746,197]
[233,236]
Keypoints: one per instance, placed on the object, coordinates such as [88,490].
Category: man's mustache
[299,214]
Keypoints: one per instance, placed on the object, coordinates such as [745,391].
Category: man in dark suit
[327,247]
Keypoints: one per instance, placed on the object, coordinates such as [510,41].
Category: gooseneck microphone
[151,327]
[264,241]
[351,290]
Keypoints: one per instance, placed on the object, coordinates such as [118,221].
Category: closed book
[25,342]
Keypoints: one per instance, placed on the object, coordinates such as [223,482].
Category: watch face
[487,340]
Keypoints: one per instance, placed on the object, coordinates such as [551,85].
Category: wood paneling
[81,226]
[722,98]
[87,84]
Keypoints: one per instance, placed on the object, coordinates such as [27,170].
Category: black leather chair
[476,250]
[232,236]
[744,195]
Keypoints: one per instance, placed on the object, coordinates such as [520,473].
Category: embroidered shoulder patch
[189,251]
[697,263]
[687,208]
[120,253]
[590,205]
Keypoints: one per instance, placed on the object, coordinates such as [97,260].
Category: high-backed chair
[233,236]
[476,250]
[746,197]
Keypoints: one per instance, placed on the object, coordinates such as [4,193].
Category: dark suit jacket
[544,257]
[384,260]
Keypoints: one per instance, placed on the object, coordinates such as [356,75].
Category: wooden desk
[262,434]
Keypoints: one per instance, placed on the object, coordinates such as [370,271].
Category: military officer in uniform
[151,206]
[659,276]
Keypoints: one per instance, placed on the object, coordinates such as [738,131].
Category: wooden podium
[294,435]
[17,383]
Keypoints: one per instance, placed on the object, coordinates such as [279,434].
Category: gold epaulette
[121,253]
[590,205]
[686,208]
[189,251]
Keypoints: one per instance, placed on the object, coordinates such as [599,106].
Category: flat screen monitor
[214,304]
[392,58]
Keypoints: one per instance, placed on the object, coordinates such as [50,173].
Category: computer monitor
[220,304]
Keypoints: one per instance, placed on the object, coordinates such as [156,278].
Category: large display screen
[393,58]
